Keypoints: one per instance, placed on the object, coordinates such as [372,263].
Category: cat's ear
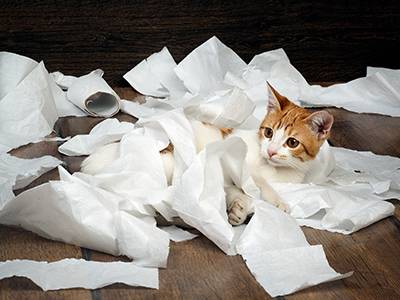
[320,123]
[276,102]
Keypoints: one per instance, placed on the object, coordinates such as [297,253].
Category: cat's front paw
[237,212]
[283,206]
[276,201]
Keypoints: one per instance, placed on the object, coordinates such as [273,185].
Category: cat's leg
[106,155]
[99,159]
[238,205]
[269,194]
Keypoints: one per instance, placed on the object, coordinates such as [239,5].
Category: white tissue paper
[199,196]
[174,127]
[152,106]
[17,173]
[278,254]
[381,172]
[210,73]
[333,208]
[177,234]
[29,105]
[107,131]
[13,69]
[159,67]
[90,217]
[114,210]
[136,175]
[29,98]
[86,274]
[213,68]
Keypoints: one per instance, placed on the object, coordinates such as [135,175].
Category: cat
[288,139]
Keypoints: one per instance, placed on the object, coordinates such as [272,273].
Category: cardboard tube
[92,94]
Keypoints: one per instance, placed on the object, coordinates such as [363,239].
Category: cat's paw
[282,206]
[276,201]
[237,212]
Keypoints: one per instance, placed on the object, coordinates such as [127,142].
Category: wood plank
[196,269]
[20,244]
[17,243]
[367,132]
[326,41]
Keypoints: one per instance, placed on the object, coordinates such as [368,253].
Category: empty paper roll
[92,94]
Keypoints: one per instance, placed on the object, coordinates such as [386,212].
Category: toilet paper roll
[93,95]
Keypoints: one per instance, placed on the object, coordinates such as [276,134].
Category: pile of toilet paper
[114,211]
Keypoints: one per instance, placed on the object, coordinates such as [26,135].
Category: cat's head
[290,136]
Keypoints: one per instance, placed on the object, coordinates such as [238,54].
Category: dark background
[326,40]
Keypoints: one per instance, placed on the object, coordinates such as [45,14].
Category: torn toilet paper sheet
[177,234]
[86,274]
[203,71]
[29,105]
[113,211]
[334,208]
[151,107]
[72,211]
[213,67]
[382,172]
[160,68]
[17,173]
[372,94]
[107,131]
[13,69]
[199,196]
[135,175]
[173,127]
[278,255]
[29,99]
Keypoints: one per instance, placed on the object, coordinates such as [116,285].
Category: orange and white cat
[281,150]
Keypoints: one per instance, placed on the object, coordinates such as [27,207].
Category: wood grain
[17,243]
[197,269]
[326,41]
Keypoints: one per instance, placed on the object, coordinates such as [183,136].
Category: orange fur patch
[293,120]
[226,131]
[169,148]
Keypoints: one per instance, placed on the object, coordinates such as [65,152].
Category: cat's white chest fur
[258,166]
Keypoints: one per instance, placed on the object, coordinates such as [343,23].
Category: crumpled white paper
[107,131]
[151,107]
[113,211]
[86,274]
[10,77]
[159,66]
[334,200]
[208,96]
[88,216]
[28,112]
[278,254]
[17,173]
[213,68]
[199,196]
[29,98]
[381,172]
[332,208]
[177,234]
[378,92]
[136,175]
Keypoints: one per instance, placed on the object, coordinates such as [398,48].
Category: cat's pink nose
[271,152]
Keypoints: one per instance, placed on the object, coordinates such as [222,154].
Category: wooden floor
[197,269]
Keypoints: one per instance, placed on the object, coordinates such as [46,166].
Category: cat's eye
[292,142]
[268,132]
